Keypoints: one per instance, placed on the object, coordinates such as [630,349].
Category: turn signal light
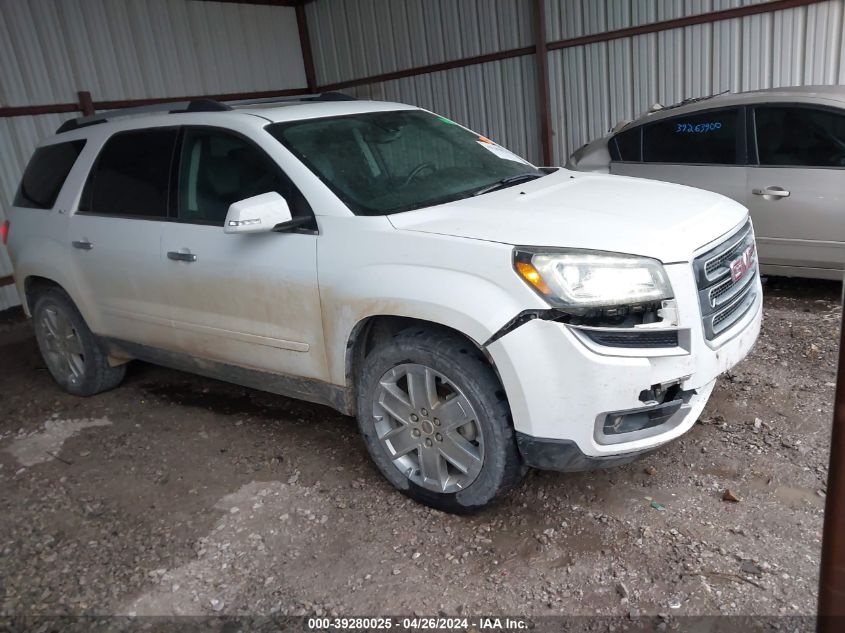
[530,274]
[4,231]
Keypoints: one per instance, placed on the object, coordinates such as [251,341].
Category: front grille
[724,301]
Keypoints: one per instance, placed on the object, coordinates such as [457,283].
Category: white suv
[477,314]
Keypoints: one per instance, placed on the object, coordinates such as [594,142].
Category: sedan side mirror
[260,214]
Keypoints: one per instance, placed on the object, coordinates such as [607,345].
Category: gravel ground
[175,494]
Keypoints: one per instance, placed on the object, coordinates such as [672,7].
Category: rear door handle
[774,192]
[179,256]
[84,245]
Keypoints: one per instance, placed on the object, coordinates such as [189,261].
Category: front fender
[467,302]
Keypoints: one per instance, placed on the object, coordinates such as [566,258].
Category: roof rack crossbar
[195,105]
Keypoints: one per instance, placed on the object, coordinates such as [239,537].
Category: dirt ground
[175,494]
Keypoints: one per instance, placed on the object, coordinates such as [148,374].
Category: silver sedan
[780,152]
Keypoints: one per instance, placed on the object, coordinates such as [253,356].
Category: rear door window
[709,138]
[132,174]
[218,168]
[799,136]
[46,173]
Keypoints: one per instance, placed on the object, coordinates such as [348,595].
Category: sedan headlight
[581,282]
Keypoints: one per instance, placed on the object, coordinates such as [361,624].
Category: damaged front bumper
[578,405]
[618,427]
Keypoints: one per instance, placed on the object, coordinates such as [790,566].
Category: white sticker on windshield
[501,152]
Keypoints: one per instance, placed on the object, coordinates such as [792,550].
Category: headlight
[583,281]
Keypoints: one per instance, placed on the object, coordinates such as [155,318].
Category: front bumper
[562,388]
[565,456]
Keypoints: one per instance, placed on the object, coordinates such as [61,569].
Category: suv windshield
[386,162]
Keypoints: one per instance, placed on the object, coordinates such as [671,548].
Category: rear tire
[436,422]
[69,348]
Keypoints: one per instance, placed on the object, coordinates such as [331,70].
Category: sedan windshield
[386,162]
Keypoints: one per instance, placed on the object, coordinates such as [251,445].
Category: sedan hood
[589,211]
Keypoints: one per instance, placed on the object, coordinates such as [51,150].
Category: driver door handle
[775,192]
[84,245]
[179,256]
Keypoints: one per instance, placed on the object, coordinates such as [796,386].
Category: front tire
[436,422]
[69,348]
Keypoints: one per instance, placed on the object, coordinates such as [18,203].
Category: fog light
[639,420]
[613,424]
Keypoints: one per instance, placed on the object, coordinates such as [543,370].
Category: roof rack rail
[173,107]
[321,96]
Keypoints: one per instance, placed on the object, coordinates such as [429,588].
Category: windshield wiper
[507,182]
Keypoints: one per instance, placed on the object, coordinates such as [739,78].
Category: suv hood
[591,211]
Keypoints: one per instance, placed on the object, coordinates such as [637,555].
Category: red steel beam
[86,105]
[543,99]
[60,108]
[32,110]
[832,573]
[305,47]
[431,68]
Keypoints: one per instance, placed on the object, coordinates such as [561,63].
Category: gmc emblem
[743,263]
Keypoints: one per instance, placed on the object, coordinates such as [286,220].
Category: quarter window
[701,138]
[132,173]
[218,168]
[627,146]
[799,136]
[46,173]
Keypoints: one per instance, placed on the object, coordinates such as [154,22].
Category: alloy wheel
[428,428]
[62,346]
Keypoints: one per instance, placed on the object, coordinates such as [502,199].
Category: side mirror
[258,214]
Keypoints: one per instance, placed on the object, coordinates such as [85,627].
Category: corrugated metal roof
[361,38]
[594,87]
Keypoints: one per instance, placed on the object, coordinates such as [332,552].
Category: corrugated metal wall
[361,38]
[566,19]
[481,97]
[129,49]
[594,87]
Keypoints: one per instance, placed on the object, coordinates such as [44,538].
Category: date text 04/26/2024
[417,624]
